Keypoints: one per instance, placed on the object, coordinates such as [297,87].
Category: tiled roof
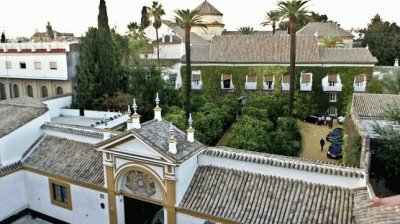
[10,168]
[284,161]
[17,112]
[260,49]
[365,210]
[347,55]
[67,158]
[324,30]
[246,197]
[373,105]
[156,133]
[206,8]
[76,130]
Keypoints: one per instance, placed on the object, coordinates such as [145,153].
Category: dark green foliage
[143,84]
[3,37]
[383,40]
[98,71]
[351,144]
[262,127]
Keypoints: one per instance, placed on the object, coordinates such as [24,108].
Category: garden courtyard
[311,135]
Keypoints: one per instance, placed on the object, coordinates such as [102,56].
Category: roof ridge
[284,161]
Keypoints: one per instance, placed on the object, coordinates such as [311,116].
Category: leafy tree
[331,42]
[246,30]
[292,10]
[156,11]
[271,18]
[389,138]
[383,40]
[186,19]
[3,37]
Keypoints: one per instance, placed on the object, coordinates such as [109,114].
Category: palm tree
[187,19]
[292,10]
[246,30]
[331,42]
[271,18]
[156,11]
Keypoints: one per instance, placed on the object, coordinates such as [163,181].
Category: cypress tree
[106,57]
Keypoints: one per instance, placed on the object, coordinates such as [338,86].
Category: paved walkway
[311,135]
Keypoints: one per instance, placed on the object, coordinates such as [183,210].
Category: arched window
[59,91]
[29,91]
[16,90]
[44,91]
[2,91]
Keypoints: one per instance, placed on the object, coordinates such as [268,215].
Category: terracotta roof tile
[17,112]
[373,105]
[284,161]
[67,158]
[246,197]
[324,30]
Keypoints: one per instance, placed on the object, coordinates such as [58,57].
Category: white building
[156,173]
[37,70]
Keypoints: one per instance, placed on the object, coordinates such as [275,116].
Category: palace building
[152,172]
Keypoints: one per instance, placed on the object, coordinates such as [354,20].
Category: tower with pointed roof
[212,19]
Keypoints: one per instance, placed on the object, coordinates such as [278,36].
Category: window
[29,91]
[53,65]
[8,65]
[22,65]
[60,194]
[16,90]
[44,91]
[38,65]
[59,91]
[332,97]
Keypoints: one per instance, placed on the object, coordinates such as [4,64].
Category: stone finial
[157,110]
[171,140]
[134,106]
[135,117]
[190,130]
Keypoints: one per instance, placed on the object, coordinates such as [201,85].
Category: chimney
[157,110]
[129,121]
[135,117]
[171,140]
[396,62]
[106,133]
[190,130]
[48,48]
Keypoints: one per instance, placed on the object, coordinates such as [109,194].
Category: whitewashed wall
[85,202]
[184,175]
[56,104]
[313,177]
[186,219]
[12,194]
[12,147]
[61,73]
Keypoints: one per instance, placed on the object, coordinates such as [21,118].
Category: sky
[23,17]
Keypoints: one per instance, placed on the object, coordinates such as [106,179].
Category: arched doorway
[2,91]
[143,194]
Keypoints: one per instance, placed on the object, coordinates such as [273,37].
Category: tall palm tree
[292,10]
[156,11]
[271,18]
[187,19]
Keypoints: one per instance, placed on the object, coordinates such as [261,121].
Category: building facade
[37,70]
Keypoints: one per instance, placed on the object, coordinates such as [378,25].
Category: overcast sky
[23,17]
